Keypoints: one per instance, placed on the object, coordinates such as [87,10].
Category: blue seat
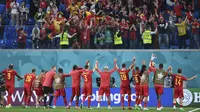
[19,1]
[196,14]
[28,43]
[11,35]
[9,44]
[2,8]
[2,43]
[28,6]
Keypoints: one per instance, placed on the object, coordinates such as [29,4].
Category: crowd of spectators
[93,24]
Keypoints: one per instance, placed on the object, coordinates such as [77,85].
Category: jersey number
[123,77]
[28,78]
[178,82]
[8,76]
[85,78]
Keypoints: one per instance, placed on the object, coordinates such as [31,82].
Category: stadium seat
[196,14]
[2,44]
[19,1]
[28,43]
[9,44]
[2,8]
[28,6]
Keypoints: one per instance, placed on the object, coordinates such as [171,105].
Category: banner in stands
[167,98]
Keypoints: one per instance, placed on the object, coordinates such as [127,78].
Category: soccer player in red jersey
[136,77]
[178,87]
[37,85]
[9,75]
[105,83]
[28,80]
[158,80]
[76,75]
[47,85]
[59,86]
[125,83]
[87,87]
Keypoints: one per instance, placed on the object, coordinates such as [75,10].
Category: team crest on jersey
[57,80]
[160,75]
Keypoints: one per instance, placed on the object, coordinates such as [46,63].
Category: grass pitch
[102,109]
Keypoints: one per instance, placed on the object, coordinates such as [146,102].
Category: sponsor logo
[188,97]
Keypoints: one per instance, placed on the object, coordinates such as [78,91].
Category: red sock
[24,98]
[84,97]
[28,101]
[76,102]
[174,104]
[65,100]
[9,99]
[55,100]
[181,106]
[145,104]
[141,99]
[159,104]
[108,102]
[89,101]
[129,100]
[136,101]
[122,100]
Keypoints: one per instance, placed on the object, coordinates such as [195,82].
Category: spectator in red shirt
[124,28]
[178,9]
[195,32]
[21,38]
[133,40]
[43,37]
[8,2]
[43,5]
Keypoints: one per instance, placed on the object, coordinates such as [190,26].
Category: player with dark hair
[105,83]
[87,87]
[76,83]
[125,83]
[37,85]
[178,87]
[9,76]
[158,80]
[47,85]
[59,86]
[28,80]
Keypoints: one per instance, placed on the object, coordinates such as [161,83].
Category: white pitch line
[194,110]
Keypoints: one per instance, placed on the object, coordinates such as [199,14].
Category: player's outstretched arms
[115,61]
[133,64]
[192,78]
[97,69]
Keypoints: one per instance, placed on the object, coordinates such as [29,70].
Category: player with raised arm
[28,80]
[144,84]
[158,80]
[59,86]
[136,77]
[37,86]
[105,83]
[178,87]
[87,87]
[125,83]
[76,84]
[47,86]
[9,75]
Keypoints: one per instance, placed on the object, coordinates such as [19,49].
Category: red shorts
[39,92]
[158,89]
[137,90]
[10,89]
[87,90]
[178,92]
[144,90]
[60,92]
[76,91]
[27,91]
[125,90]
[105,90]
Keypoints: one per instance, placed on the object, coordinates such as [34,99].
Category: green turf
[103,109]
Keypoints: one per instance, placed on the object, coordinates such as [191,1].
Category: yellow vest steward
[64,40]
[147,38]
[117,40]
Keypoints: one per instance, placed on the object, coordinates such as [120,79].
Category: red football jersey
[105,77]
[87,76]
[9,76]
[124,77]
[28,79]
[49,77]
[178,80]
[75,74]
[136,76]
